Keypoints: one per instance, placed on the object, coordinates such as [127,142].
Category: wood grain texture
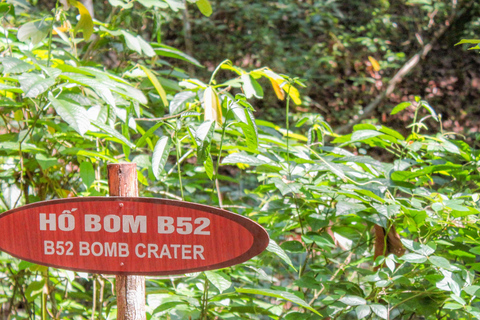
[122,181]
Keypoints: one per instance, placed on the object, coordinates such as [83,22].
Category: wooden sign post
[122,181]
[129,236]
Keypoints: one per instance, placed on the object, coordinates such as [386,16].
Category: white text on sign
[125,223]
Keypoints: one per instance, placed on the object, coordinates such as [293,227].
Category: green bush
[64,116]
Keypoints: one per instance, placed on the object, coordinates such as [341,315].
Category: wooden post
[122,181]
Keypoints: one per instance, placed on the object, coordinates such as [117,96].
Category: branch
[407,67]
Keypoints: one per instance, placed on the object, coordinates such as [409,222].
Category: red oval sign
[124,235]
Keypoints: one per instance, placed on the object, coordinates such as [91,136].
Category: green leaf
[400,107]
[15,146]
[388,211]
[219,279]
[153,3]
[114,133]
[427,106]
[34,289]
[179,102]
[35,30]
[240,157]
[141,142]
[203,136]
[352,300]
[175,5]
[440,262]
[132,42]
[208,164]
[364,135]
[362,311]
[25,265]
[286,188]
[293,246]
[419,248]
[252,134]
[284,295]
[121,3]
[161,92]
[380,310]
[275,248]
[345,208]
[469,41]
[472,290]
[322,241]
[10,88]
[14,65]
[72,114]
[160,156]
[205,7]
[146,47]
[167,51]
[452,306]
[334,168]
[44,162]
[251,87]
[34,85]
[87,173]
[413,258]
[7,9]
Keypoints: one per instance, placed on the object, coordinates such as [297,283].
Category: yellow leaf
[278,91]
[375,64]
[282,85]
[291,134]
[65,27]
[212,105]
[86,22]
[156,84]
[292,92]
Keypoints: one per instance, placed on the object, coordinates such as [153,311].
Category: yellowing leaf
[292,92]
[212,105]
[291,134]
[375,64]
[64,28]
[281,85]
[278,91]
[156,84]
[86,22]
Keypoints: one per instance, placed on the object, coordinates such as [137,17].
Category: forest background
[347,129]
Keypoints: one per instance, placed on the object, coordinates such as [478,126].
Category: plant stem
[288,131]
[178,163]
[50,37]
[45,295]
[205,299]
[219,156]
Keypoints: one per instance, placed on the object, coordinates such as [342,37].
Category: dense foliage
[78,93]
